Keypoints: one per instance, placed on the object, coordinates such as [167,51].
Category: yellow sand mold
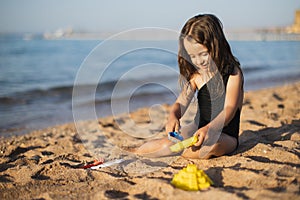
[184,144]
[192,179]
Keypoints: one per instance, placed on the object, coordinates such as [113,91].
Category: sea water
[38,76]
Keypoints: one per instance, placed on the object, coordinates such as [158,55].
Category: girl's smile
[198,54]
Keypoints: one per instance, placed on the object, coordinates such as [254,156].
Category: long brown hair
[207,30]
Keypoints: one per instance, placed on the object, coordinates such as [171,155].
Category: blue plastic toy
[175,137]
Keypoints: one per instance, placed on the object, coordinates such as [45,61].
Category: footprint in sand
[277,97]
[256,123]
[115,194]
[39,176]
[6,178]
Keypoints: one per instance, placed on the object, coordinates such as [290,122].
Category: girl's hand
[172,125]
[200,134]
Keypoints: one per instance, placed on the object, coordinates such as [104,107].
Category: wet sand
[46,164]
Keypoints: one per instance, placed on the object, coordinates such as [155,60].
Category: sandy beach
[46,164]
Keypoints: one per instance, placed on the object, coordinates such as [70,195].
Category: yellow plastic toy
[184,144]
[192,179]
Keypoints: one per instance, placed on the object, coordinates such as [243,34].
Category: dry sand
[45,164]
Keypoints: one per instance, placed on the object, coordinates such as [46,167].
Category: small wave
[143,96]
[102,91]
[254,83]
[27,97]
[7,100]
[254,69]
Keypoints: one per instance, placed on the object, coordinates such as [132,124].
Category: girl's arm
[233,100]
[180,106]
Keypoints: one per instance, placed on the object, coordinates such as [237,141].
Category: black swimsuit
[210,107]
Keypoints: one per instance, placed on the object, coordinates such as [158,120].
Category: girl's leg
[155,148]
[225,145]
[160,147]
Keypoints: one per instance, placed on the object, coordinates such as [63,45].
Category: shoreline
[45,163]
[103,109]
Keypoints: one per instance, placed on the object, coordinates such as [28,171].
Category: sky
[120,15]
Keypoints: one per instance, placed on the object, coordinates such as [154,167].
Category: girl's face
[198,54]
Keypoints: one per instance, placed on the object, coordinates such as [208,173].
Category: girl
[208,68]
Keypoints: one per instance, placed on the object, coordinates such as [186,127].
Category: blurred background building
[295,28]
